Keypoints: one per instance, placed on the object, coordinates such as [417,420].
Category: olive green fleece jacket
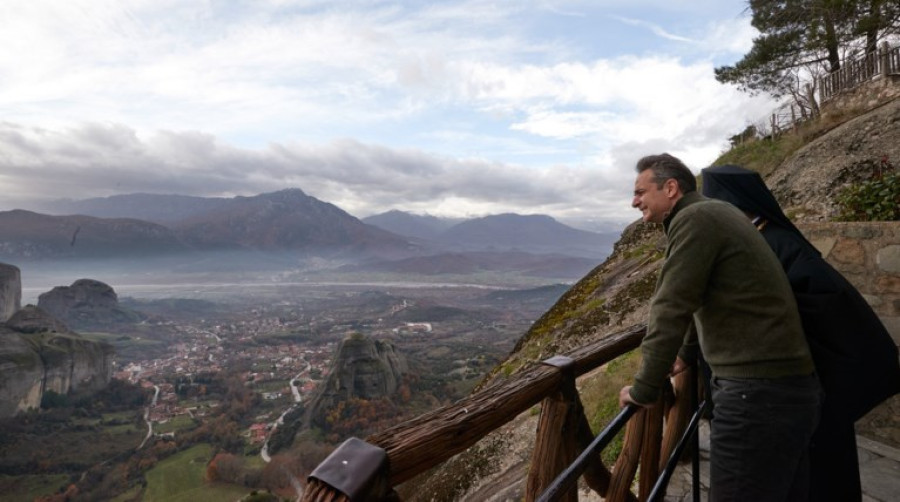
[720,273]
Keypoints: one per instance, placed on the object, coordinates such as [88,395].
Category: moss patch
[600,396]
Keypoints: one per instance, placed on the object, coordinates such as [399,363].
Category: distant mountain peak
[285,194]
[534,233]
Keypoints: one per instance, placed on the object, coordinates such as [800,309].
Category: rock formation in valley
[86,304]
[363,368]
[38,353]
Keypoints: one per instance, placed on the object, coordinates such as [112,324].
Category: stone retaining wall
[866,96]
[868,255]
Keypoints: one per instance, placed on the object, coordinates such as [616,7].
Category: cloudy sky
[452,108]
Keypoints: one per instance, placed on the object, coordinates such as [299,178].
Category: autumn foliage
[357,416]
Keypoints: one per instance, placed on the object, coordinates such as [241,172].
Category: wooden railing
[370,470]
[884,61]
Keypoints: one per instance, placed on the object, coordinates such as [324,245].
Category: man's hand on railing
[625,398]
[678,366]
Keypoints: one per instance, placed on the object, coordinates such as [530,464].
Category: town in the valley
[284,350]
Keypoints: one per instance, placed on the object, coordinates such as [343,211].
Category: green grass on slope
[764,155]
[600,396]
[180,478]
[29,487]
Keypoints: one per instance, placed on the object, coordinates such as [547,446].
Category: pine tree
[807,35]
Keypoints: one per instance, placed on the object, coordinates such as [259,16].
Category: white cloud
[457,107]
[654,28]
[101,160]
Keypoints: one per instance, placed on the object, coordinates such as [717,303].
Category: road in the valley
[264,452]
[147,416]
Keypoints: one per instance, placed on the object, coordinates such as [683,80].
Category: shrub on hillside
[875,199]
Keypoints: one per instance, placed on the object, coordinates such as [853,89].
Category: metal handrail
[659,489]
[567,479]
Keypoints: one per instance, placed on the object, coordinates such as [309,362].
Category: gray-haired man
[720,274]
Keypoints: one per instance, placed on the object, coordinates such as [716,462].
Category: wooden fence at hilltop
[882,63]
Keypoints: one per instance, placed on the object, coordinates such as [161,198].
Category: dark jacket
[720,273]
[855,356]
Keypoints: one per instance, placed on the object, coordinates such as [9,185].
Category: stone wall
[868,255]
[866,96]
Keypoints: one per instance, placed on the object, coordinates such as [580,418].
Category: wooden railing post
[556,438]
[678,413]
[317,491]
[627,463]
[650,445]
[597,476]
[355,471]
[893,59]
[644,444]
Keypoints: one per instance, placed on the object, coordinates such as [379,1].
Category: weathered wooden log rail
[370,470]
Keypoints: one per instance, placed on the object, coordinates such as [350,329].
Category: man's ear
[671,187]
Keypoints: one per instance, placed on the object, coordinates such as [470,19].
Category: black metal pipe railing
[702,372]
[567,479]
[690,434]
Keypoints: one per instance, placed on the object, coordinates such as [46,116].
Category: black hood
[746,190]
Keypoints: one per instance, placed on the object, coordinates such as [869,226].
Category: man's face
[654,203]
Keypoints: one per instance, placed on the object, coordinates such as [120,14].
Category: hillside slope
[807,183]
[615,295]
[33,236]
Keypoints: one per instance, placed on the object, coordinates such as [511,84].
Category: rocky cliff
[807,183]
[86,304]
[363,368]
[38,353]
[10,291]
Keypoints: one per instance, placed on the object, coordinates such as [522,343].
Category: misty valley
[162,347]
[232,387]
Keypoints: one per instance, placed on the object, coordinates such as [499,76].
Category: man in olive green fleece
[720,275]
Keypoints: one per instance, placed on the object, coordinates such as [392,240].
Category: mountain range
[534,233]
[145,224]
[289,225]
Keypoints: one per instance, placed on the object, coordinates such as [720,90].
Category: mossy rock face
[606,300]
[10,290]
[21,373]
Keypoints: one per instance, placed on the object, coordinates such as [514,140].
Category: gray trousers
[759,438]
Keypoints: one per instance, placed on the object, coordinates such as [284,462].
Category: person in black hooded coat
[855,357]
